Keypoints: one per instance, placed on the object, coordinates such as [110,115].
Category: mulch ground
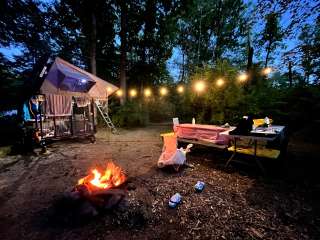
[237,202]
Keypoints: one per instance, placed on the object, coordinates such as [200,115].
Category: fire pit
[101,190]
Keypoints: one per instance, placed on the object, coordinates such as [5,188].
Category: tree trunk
[182,72]
[267,57]
[250,57]
[307,79]
[93,44]
[249,64]
[123,53]
[217,52]
[290,74]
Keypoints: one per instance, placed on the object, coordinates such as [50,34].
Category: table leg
[256,159]
[233,154]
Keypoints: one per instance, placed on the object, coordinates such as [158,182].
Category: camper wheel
[92,139]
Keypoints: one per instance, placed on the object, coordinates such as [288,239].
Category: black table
[259,134]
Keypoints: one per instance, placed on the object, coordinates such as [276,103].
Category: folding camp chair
[169,149]
[170,154]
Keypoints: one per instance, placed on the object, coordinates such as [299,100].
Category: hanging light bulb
[199,86]
[220,82]
[243,77]
[133,93]
[266,70]
[163,91]
[180,89]
[147,92]
[119,93]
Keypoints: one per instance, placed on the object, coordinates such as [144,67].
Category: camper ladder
[104,113]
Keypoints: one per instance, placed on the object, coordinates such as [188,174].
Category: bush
[161,110]
[9,129]
[218,104]
[132,114]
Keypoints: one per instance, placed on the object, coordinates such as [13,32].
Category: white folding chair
[175,121]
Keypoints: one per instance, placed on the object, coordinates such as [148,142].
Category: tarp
[66,79]
[58,105]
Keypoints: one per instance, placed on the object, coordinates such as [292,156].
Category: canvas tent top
[66,79]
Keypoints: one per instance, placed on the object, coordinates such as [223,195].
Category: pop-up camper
[64,106]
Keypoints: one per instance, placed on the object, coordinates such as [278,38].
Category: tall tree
[24,24]
[208,30]
[293,15]
[271,35]
[93,44]
[309,49]
[250,54]
[94,24]
[66,32]
[151,37]
[290,73]
[123,49]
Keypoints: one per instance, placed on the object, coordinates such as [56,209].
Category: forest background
[152,44]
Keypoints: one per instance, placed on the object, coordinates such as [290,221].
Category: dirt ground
[237,202]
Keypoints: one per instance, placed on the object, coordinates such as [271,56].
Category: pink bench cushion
[208,133]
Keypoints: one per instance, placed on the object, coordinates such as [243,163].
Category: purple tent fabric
[58,105]
[68,79]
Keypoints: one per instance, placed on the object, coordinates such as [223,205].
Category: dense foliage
[141,42]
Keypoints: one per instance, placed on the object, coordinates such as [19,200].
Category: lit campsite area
[236,203]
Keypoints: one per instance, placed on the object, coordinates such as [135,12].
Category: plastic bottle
[193,121]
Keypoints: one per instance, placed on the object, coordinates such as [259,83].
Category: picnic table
[267,134]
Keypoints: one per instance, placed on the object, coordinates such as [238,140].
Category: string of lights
[199,86]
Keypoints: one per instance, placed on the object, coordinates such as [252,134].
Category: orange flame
[112,177]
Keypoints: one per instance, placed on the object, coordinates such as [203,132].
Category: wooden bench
[204,143]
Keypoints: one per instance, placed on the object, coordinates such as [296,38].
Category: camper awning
[64,78]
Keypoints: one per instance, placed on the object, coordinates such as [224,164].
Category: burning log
[95,193]
[112,177]
[100,189]
[100,198]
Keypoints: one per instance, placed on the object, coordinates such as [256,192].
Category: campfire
[100,190]
[111,177]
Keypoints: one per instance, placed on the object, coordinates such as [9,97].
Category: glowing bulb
[119,93]
[133,93]
[243,77]
[163,91]
[147,92]
[199,86]
[220,82]
[266,70]
[180,89]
